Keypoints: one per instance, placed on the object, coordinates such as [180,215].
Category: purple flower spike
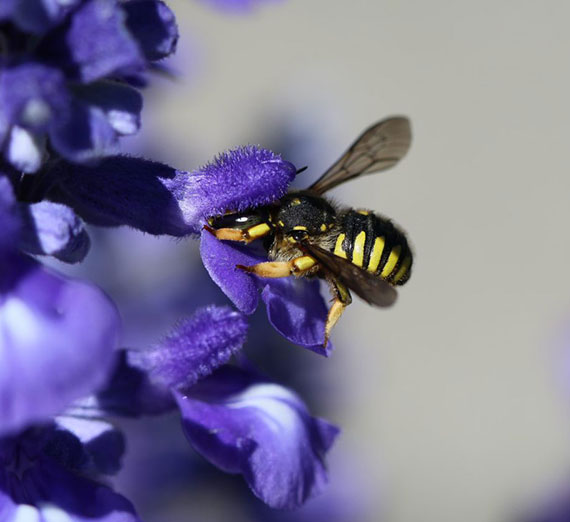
[194,349]
[239,179]
[57,340]
[53,229]
[297,310]
[263,431]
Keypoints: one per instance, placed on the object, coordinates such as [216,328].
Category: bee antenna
[302,169]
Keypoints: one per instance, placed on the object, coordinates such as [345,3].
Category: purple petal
[194,348]
[9,217]
[99,43]
[297,310]
[38,16]
[125,191]
[153,24]
[57,341]
[220,259]
[103,446]
[47,491]
[85,135]
[120,103]
[53,229]
[265,432]
[237,180]
[40,97]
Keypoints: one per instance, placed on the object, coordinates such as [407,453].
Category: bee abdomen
[373,243]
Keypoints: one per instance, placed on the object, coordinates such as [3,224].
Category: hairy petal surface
[57,341]
[263,431]
[238,179]
[194,348]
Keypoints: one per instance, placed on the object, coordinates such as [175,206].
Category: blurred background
[454,404]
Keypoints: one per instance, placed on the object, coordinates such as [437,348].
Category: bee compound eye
[298,235]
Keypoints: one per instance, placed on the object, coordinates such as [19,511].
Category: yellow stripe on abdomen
[338,249]
[403,270]
[358,250]
[392,261]
[376,254]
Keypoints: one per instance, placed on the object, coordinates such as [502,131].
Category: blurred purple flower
[44,476]
[235,419]
[66,74]
[237,6]
[57,341]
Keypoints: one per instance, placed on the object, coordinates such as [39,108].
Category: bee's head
[302,215]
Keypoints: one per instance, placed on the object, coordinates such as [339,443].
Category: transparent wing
[366,285]
[378,148]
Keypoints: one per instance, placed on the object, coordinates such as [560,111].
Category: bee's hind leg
[272,269]
[341,301]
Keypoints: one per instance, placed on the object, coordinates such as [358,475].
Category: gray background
[453,403]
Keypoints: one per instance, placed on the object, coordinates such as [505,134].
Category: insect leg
[245,236]
[296,266]
[341,301]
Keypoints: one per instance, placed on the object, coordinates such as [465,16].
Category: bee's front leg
[296,266]
[234,234]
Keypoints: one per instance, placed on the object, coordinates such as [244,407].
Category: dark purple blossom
[63,77]
[43,476]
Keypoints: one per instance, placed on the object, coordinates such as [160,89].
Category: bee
[306,234]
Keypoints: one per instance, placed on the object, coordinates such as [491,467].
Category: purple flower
[235,6]
[261,430]
[43,476]
[57,341]
[237,420]
[65,73]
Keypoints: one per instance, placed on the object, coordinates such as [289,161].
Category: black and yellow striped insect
[305,234]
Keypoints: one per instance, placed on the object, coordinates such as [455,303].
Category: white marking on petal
[24,150]
[25,513]
[52,513]
[36,112]
[123,122]
[19,323]
[274,402]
